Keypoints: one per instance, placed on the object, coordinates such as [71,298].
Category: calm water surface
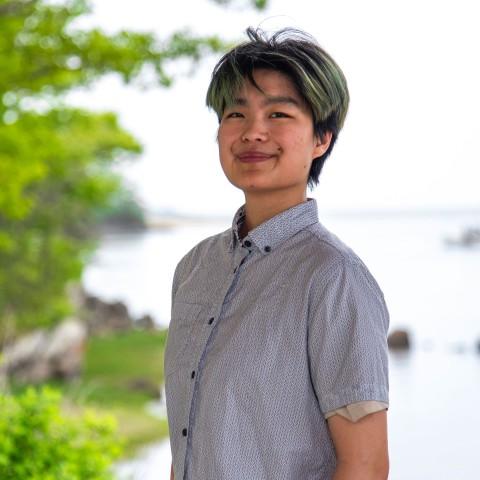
[432,289]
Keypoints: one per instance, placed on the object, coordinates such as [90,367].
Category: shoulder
[208,248]
[337,265]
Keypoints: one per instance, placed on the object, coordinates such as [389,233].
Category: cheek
[302,145]
[293,137]
[221,143]
[224,138]
[224,153]
[302,148]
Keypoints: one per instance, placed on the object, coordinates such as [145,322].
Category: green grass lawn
[122,373]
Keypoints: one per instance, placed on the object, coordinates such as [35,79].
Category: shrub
[39,442]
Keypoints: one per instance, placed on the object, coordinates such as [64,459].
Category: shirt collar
[277,229]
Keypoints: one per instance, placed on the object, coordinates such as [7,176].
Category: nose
[255,131]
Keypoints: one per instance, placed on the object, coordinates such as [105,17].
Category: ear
[321,144]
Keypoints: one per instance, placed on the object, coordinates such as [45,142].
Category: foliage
[38,442]
[55,176]
[55,161]
[122,372]
[123,209]
[42,53]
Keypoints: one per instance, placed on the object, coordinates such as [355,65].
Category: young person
[276,360]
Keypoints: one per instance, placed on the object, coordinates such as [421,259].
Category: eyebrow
[270,101]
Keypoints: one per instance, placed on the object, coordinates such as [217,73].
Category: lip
[253,157]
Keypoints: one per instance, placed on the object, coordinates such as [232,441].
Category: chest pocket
[183,335]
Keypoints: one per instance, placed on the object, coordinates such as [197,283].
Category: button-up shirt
[268,334]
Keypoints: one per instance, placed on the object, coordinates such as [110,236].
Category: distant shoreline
[171,221]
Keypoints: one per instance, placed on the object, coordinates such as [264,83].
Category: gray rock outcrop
[43,355]
[106,317]
[58,353]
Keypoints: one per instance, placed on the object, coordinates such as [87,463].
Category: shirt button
[267,248]
[247,243]
[211,320]
[184,432]
[193,374]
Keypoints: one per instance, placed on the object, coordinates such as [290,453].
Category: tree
[55,161]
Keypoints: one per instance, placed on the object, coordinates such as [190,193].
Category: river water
[432,289]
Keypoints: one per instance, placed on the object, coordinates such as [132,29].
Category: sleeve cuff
[356,411]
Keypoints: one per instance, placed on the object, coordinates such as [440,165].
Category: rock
[103,317]
[23,359]
[145,322]
[76,294]
[65,349]
[26,347]
[399,340]
[43,355]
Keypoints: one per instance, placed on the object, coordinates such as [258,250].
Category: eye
[233,115]
[279,115]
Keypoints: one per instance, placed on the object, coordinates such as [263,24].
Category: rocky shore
[58,353]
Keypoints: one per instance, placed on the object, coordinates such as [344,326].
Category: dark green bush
[39,442]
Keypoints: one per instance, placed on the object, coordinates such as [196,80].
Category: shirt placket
[243,250]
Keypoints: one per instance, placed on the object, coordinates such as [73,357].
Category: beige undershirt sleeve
[356,411]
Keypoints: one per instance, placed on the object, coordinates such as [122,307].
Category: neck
[260,208]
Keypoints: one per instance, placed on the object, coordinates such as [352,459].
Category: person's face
[266,139]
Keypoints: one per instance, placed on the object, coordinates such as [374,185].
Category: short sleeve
[358,410]
[347,337]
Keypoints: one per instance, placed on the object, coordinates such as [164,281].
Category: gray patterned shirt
[268,333]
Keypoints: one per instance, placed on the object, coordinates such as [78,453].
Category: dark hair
[317,77]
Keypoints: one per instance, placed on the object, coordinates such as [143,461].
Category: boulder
[76,294]
[145,322]
[399,340]
[24,360]
[65,349]
[43,355]
[106,317]
[103,317]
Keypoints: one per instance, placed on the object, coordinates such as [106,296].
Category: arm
[361,447]
[171,472]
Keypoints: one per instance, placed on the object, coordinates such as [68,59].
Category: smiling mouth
[253,157]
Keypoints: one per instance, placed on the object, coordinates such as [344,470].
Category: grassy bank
[122,373]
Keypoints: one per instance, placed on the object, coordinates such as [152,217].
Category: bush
[39,442]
